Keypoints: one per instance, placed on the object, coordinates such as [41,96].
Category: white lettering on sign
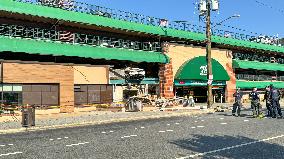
[203,70]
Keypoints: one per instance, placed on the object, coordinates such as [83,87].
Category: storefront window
[7,88]
[17,88]
[11,94]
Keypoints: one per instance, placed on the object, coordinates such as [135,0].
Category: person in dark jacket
[275,97]
[255,105]
[238,103]
[268,101]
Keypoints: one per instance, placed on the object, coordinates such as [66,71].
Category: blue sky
[254,16]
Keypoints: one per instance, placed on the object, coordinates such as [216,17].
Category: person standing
[238,103]
[255,105]
[268,101]
[275,97]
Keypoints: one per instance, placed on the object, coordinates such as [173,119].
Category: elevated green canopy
[258,65]
[196,69]
[63,49]
[258,84]
[12,6]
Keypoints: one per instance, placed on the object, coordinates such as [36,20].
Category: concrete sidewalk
[53,119]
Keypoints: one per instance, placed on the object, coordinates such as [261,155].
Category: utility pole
[208,54]
[205,7]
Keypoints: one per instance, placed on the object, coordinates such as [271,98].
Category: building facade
[65,53]
[189,72]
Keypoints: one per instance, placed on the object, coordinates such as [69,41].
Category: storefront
[198,90]
[191,80]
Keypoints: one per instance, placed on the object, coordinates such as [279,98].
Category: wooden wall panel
[91,75]
[44,73]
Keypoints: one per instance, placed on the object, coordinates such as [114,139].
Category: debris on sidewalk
[221,108]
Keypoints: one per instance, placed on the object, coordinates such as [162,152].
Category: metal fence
[258,77]
[232,32]
[76,38]
[258,57]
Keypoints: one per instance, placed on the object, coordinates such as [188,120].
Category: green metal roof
[64,49]
[246,44]
[56,13]
[196,69]
[258,84]
[71,16]
[258,65]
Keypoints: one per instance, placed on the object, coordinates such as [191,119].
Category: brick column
[166,76]
[231,85]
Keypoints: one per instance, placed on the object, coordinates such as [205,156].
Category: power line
[269,6]
[236,28]
[241,29]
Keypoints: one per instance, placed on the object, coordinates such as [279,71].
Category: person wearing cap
[238,103]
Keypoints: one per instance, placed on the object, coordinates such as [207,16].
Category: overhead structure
[243,64]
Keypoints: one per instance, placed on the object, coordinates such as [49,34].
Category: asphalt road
[217,135]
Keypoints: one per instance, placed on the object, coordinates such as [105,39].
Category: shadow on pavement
[247,115]
[244,113]
[258,150]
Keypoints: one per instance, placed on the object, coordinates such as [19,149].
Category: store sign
[203,70]
[181,82]
[198,83]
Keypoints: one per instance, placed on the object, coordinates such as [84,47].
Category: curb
[42,128]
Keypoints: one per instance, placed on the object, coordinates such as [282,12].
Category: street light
[233,16]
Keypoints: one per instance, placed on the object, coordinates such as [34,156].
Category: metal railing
[249,77]
[76,38]
[232,32]
[258,57]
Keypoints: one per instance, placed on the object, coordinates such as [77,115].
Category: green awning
[196,69]
[258,65]
[64,49]
[86,19]
[258,84]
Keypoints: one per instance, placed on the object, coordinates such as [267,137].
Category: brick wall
[166,76]
[44,73]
